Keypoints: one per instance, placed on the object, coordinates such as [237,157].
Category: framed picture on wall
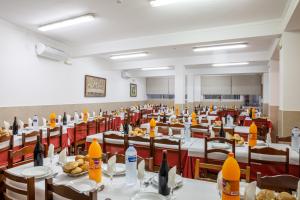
[94,86]
[133,90]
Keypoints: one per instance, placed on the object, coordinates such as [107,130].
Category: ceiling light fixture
[218,47]
[128,55]
[230,64]
[157,3]
[67,22]
[155,68]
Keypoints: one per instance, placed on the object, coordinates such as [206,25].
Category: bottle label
[231,188]
[95,163]
[131,158]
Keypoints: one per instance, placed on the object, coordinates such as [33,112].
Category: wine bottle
[126,128]
[65,119]
[165,118]
[222,132]
[163,188]
[15,126]
[38,153]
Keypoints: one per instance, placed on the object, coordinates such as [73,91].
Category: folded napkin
[81,115]
[129,128]
[172,117]
[212,132]
[220,182]
[250,191]
[298,191]
[51,151]
[59,119]
[141,170]
[76,117]
[268,139]
[94,114]
[21,124]
[121,127]
[68,119]
[63,156]
[101,114]
[111,165]
[172,177]
[6,125]
[170,132]
[44,122]
[29,122]
[189,120]
[200,119]
[158,118]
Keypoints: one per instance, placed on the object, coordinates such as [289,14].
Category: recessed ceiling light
[156,3]
[217,47]
[67,22]
[129,55]
[230,64]
[155,68]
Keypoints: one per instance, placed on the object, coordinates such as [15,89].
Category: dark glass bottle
[222,132]
[38,153]
[65,119]
[250,113]
[165,118]
[163,188]
[126,128]
[15,126]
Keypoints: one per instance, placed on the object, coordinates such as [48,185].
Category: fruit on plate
[78,166]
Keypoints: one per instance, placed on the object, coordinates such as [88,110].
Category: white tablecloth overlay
[191,189]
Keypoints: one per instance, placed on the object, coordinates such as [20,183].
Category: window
[220,97]
[160,96]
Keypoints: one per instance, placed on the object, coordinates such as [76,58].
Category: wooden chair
[271,152]
[200,166]
[177,149]
[176,128]
[199,131]
[28,138]
[92,127]
[217,150]
[29,193]
[9,146]
[279,183]
[284,140]
[101,125]
[80,134]
[52,136]
[66,192]
[146,144]
[111,136]
[121,159]
[27,150]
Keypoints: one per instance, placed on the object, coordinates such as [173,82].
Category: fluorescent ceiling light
[230,64]
[220,47]
[155,68]
[156,3]
[129,55]
[67,22]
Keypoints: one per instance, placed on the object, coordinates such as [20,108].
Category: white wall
[26,79]
[265,82]
[274,83]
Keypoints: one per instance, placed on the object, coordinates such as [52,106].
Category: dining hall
[149,99]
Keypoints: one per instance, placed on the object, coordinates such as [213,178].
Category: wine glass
[111,170]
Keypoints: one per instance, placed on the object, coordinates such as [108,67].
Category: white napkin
[141,170]
[212,133]
[200,119]
[172,117]
[250,191]
[81,115]
[21,124]
[68,119]
[51,151]
[6,125]
[111,165]
[59,119]
[172,177]
[298,191]
[63,156]
[158,118]
[44,122]
[76,117]
[170,132]
[29,122]
[268,139]
[189,120]
[121,127]
[94,114]
[129,128]
[101,114]
[220,182]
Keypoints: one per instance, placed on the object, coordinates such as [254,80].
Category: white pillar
[179,86]
[265,100]
[289,70]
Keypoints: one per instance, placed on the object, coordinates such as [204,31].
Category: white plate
[83,185]
[220,145]
[37,172]
[120,169]
[179,180]
[148,196]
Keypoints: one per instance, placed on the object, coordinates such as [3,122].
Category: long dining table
[117,189]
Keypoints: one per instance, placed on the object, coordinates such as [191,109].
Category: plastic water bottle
[131,165]
[35,122]
[295,139]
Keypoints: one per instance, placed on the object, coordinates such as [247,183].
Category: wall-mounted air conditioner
[45,51]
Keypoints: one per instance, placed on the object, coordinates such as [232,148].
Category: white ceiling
[136,18]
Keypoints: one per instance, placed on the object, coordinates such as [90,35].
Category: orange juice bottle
[231,179]
[177,111]
[85,115]
[253,113]
[252,135]
[210,108]
[152,127]
[52,121]
[95,161]
[194,121]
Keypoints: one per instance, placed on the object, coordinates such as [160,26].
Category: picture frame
[94,86]
[133,90]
